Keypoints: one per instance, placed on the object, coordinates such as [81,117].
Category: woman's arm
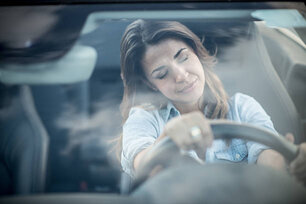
[138,158]
[252,112]
[272,158]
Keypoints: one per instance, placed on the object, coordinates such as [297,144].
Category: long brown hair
[137,37]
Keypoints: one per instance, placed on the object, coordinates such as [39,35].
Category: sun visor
[284,18]
[76,66]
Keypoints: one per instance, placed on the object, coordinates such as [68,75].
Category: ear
[149,84]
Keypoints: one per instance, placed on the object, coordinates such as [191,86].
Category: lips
[188,87]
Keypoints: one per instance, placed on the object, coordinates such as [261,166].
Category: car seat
[23,143]
[246,67]
[288,56]
[80,61]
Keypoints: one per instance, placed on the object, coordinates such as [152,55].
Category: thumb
[290,137]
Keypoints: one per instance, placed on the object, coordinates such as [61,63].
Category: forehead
[165,49]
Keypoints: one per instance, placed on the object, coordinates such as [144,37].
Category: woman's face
[172,68]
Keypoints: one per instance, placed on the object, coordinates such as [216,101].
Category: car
[60,90]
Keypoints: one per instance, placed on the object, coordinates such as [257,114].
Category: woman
[170,90]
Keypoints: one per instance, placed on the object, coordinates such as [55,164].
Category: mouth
[189,87]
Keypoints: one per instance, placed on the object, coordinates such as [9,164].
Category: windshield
[65,63]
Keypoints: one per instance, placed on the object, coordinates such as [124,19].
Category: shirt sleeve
[251,112]
[139,131]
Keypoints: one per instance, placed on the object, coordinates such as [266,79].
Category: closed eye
[183,58]
[162,75]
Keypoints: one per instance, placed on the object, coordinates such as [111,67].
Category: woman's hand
[190,131]
[298,166]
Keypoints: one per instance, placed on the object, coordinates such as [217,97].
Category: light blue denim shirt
[143,127]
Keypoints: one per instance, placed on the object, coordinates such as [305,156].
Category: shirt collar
[169,111]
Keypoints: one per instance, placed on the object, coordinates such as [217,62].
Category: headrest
[76,66]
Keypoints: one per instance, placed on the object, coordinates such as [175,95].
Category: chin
[191,98]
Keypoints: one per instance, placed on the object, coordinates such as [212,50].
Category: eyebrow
[178,53]
[174,57]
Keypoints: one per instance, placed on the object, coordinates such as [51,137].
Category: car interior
[60,96]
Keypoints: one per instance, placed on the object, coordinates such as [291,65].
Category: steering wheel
[166,149]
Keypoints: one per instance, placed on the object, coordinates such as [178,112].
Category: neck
[189,107]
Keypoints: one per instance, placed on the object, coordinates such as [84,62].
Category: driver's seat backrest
[23,144]
[247,68]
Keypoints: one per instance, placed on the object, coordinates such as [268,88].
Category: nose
[180,74]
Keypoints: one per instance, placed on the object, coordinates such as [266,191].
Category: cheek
[195,65]
[200,71]
[164,87]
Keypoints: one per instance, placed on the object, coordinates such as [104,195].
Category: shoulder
[241,102]
[143,115]
[141,112]
[148,111]
[244,107]
[240,99]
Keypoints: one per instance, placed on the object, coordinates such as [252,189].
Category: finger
[298,166]
[193,131]
[207,134]
[175,130]
[289,137]
[300,178]
[197,121]
[203,123]
[179,131]
[300,170]
[301,158]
